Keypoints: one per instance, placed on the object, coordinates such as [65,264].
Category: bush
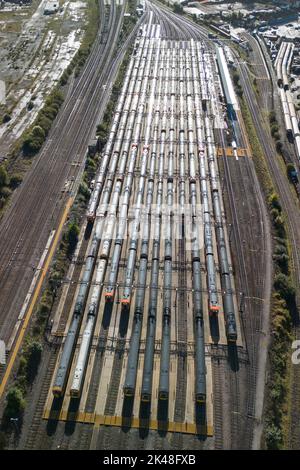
[35,138]
[72,236]
[282,261]
[90,164]
[280,226]
[279,146]
[15,180]
[274,128]
[5,192]
[15,403]
[273,437]
[236,78]
[84,190]
[34,357]
[54,281]
[4,180]
[22,365]
[272,117]
[283,285]
[178,8]
[6,118]
[274,201]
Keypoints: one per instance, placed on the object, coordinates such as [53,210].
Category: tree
[279,146]
[273,437]
[275,202]
[72,236]
[38,132]
[15,403]
[178,8]
[272,117]
[6,118]
[283,284]
[236,78]
[34,357]
[4,180]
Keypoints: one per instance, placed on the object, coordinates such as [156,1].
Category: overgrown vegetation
[32,349]
[84,50]
[31,352]
[37,134]
[33,138]
[283,298]
[5,186]
[275,131]
[178,8]
[129,21]
[28,366]
[236,81]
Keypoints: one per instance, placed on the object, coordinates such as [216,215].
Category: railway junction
[154,339]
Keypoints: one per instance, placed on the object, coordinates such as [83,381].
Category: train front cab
[201,398]
[75,393]
[57,392]
[163,395]
[128,392]
[109,296]
[125,303]
[232,338]
[146,397]
[214,310]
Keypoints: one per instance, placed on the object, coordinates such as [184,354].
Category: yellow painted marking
[34,299]
[100,420]
[229,152]
[245,134]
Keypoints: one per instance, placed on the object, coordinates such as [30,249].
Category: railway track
[182,270]
[43,198]
[219,431]
[34,436]
[181,335]
[291,211]
[180,401]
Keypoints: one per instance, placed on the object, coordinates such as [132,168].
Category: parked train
[109,210]
[66,358]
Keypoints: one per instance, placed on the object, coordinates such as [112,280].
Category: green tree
[178,8]
[15,403]
[38,132]
[283,284]
[4,180]
[72,236]
[275,202]
[34,357]
[273,437]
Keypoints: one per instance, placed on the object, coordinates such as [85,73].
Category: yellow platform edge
[154,425]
